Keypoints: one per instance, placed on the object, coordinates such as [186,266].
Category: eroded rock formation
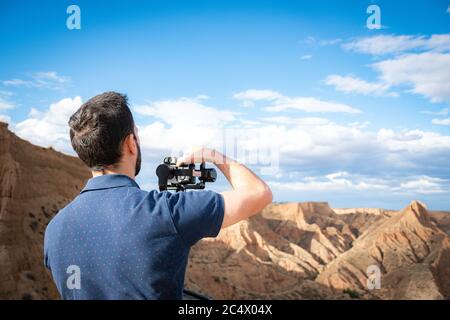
[309,251]
[34,183]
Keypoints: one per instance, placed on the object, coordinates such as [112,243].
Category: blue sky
[359,117]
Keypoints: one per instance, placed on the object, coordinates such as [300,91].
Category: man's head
[103,133]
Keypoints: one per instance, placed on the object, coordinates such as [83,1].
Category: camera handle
[165,173]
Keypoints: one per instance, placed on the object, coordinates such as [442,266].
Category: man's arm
[249,194]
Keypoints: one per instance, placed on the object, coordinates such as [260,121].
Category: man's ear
[131,144]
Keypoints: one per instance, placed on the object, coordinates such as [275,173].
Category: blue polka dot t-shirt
[116,241]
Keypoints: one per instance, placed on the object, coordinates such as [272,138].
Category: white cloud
[50,127]
[256,95]
[323,184]
[424,185]
[158,136]
[391,44]
[352,154]
[309,104]
[343,181]
[350,84]
[322,145]
[425,73]
[279,102]
[6,93]
[441,122]
[18,82]
[412,141]
[406,143]
[43,78]
[302,121]
[308,40]
[303,143]
[5,104]
[448,9]
[442,112]
[306,57]
[201,97]
[327,42]
[186,112]
[330,42]
[181,123]
[359,125]
[48,80]
[419,63]
[5,118]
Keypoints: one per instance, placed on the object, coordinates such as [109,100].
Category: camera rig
[184,177]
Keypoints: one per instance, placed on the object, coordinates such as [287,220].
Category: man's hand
[200,155]
[249,194]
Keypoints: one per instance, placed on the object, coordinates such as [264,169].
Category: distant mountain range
[289,251]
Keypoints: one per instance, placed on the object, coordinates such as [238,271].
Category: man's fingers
[195,156]
[186,159]
[180,161]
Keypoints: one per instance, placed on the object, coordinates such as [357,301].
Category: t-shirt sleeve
[196,214]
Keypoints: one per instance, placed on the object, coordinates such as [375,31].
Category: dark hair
[99,127]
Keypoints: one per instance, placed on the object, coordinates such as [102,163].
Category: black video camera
[184,177]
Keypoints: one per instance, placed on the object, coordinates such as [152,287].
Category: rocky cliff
[34,183]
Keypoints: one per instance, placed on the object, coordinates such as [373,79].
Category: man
[116,241]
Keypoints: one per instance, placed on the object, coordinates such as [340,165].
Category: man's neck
[105,171]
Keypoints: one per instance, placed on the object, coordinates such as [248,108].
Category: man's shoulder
[151,196]
[69,209]
[59,216]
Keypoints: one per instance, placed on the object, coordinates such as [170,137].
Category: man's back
[115,241]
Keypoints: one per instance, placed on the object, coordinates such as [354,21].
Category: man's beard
[138,160]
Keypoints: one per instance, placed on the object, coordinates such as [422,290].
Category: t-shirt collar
[109,181]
